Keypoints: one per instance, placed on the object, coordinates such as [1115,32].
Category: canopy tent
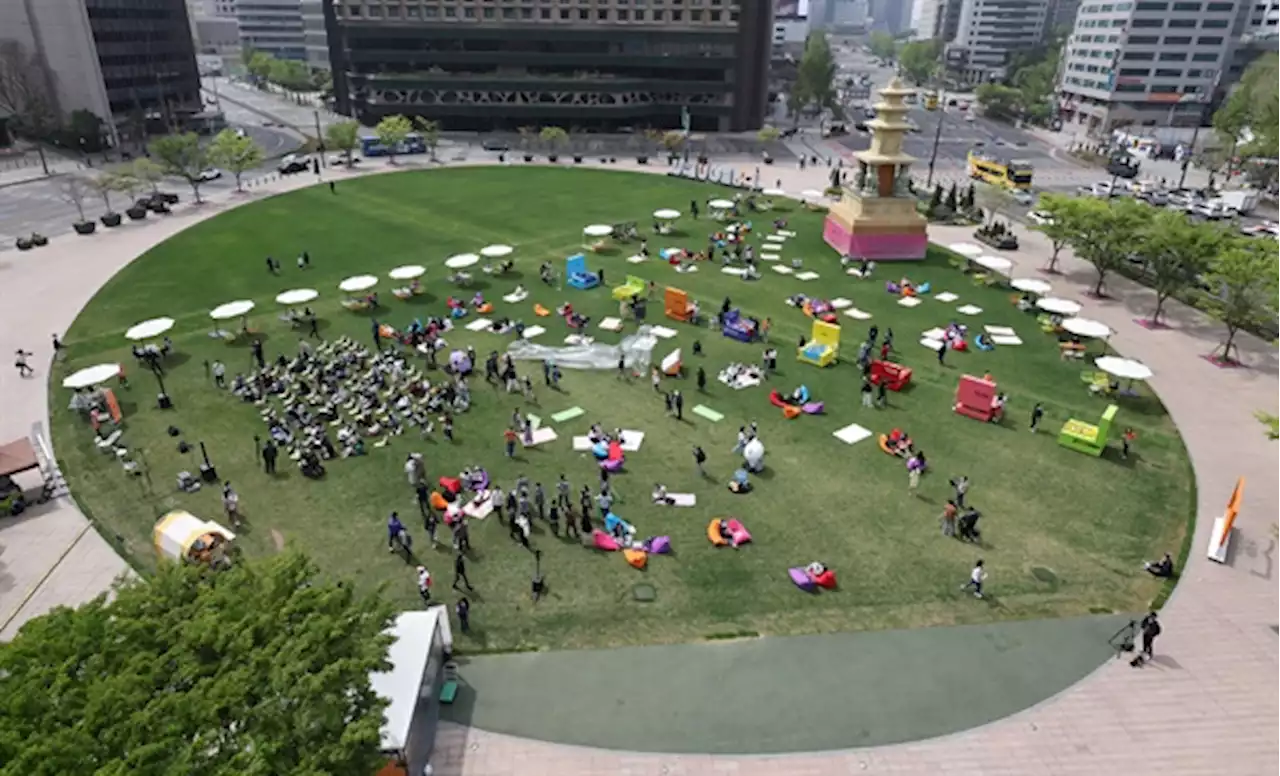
[236,309]
[496,251]
[416,635]
[720,204]
[91,376]
[17,456]
[994,263]
[774,193]
[1031,285]
[181,535]
[358,283]
[297,296]
[968,250]
[407,272]
[598,230]
[1056,305]
[149,329]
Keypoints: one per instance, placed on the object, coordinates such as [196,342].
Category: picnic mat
[781,269]
[934,334]
[704,411]
[807,276]
[479,324]
[969,309]
[611,324]
[775,238]
[786,233]
[946,296]
[851,434]
[532,331]
[569,414]
[1006,339]
[632,439]
[541,436]
[636,259]
[840,303]
[683,499]
[581,444]
[909,301]
[739,271]
[662,332]
[858,315]
[932,344]
[514,298]
[1003,331]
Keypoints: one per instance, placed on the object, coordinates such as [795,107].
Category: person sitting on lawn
[997,407]
[900,443]
[1162,568]
[660,495]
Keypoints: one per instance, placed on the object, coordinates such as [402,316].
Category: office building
[587,64]
[272,26]
[935,20]
[989,31]
[1149,62]
[125,61]
[316,40]
[790,23]
[891,16]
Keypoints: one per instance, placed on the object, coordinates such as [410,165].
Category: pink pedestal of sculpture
[876,246]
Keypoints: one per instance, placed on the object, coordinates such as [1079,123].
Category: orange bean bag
[713,533]
[540,311]
[908,291]
[437,501]
[637,558]
[790,411]
[487,307]
[884,444]
[386,332]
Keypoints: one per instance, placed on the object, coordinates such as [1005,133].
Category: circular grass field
[1064,533]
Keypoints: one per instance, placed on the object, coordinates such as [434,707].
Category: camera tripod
[1122,641]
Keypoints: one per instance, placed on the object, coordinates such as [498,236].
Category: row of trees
[286,73]
[1248,123]
[1027,92]
[1231,276]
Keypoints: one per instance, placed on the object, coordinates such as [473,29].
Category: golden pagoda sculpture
[876,217]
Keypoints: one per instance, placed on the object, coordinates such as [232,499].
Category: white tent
[410,681]
[176,534]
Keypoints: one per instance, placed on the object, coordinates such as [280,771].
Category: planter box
[528,157]
[642,160]
[24,244]
[704,160]
[84,227]
[39,240]
[553,158]
[111,219]
[136,213]
[577,159]
[1004,242]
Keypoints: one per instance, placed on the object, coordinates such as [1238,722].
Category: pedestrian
[413,471]
[655,379]
[306,260]
[1150,628]
[546,372]
[563,491]
[976,578]
[395,532]
[622,367]
[520,530]
[59,349]
[913,481]
[669,400]
[313,326]
[679,402]
[463,607]
[961,486]
[555,377]
[888,338]
[942,354]
[20,361]
[700,460]
[498,499]
[553,518]
[424,584]
[269,454]
[1126,439]
[882,394]
[741,441]
[462,536]
[1037,412]
[948,519]
[446,425]
[423,494]
[509,438]
[271,265]
[884,350]
[540,500]
[702,380]
[375,330]
[231,504]
[219,371]
[866,393]
[873,334]
[460,572]
[333,189]
[693,208]
[258,354]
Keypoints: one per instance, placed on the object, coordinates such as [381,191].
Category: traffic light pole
[937,137]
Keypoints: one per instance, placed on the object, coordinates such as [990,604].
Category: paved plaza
[1207,705]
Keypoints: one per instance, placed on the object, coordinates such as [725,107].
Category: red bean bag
[451,484]
[826,579]
[775,399]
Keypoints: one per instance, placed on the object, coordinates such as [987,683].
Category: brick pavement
[1208,705]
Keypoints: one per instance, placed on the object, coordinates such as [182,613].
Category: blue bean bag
[923,288]
[600,450]
[984,342]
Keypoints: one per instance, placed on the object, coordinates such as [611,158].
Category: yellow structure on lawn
[182,536]
[823,345]
[632,287]
[1085,437]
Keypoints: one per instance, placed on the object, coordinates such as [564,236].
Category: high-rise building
[989,31]
[217,34]
[1149,62]
[891,16]
[274,27]
[313,31]
[587,64]
[935,19]
[118,59]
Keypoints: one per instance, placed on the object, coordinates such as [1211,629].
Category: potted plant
[527,135]
[39,240]
[104,183]
[130,185]
[997,235]
[553,138]
[74,190]
[25,244]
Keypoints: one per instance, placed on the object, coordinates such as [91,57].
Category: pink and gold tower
[876,217]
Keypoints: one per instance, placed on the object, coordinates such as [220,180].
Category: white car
[1039,218]
[1023,197]
[210,174]
[341,159]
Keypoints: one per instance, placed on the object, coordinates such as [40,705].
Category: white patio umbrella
[1124,368]
[720,204]
[1058,306]
[91,376]
[236,309]
[598,230]
[1031,285]
[666,214]
[496,251]
[358,283]
[812,194]
[407,272]
[149,329]
[1087,327]
[968,250]
[462,261]
[994,263]
[774,193]
[297,296]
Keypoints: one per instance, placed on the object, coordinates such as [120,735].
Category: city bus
[930,100]
[1010,173]
[413,144]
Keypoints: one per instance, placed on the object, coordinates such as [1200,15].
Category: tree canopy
[391,132]
[182,156]
[998,101]
[1243,285]
[920,60]
[1249,119]
[343,136]
[259,670]
[1103,232]
[882,45]
[1177,252]
[816,74]
[235,153]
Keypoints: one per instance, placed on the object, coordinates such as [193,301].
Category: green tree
[920,60]
[391,132]
[105,183]
[147,173]
[182,156]
[1061,212]
[1272,422]
[74,190]
[235,154]
[343,136]
[1103,233]
[430,131]
[1244,287]
[768,134]
[259,64]
[953,199]
[259,669]
[815,75]
[882,45]
[1249,119]
[1178,252]
[553,138]
[998,101]
[290,74]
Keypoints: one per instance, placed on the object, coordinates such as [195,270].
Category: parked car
[1212,210]
[293,164]
[1039,218]
[211,174]
[1265,229]
[493,144]
[341,159]
[1023,197]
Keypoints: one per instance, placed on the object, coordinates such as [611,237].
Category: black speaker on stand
[207,472]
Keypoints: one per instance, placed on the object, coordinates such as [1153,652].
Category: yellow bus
[1010,173]
[930,100]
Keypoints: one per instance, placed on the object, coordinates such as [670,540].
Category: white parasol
[812,194]
[1058,306]
[1031,285]
[994,263]
[462,261]
[297,296]
[720,204]
[358,283]
[598,230]
[968,250]
[149,329]
[1087,327]
[407,272]
[91,376]
[236,309]
[1124,368]
[774,193]
[666,214]
[496,251]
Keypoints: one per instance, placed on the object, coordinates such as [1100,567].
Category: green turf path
[786,694]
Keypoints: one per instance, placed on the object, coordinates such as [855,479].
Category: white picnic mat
[611,324]
[839,303]
[683,499]
[1004,331]
[479,509]
[632,439]
[514,298]
[935,334]
[851,434]
[909,301]
[771,257]
[578,339]
[1006,339]
[969,309]
[807,276]
[775,238]
[786,233]
[739,271]
[662,332]
[932,344]
[782,269]
[858,315]
[581,444]
[479,324]
[541,436]
[636,259]
[533,331]
[946,296]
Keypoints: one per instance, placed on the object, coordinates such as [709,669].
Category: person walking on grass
[913,481]
[866,391]
[961,486]
[231,504]
[882,394]
[563,493]
[424,584]
[700,460]
[942,355]
[976,578]
[540,500]
[59,349]
[395,532]
[948,519]
[460,573]
[677,399]
[269,454]
[509,438]
[1037,412]
[462,608]
[1126,439]
[702,380]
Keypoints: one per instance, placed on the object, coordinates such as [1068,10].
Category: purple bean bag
[802,580]
[658,545]
[612,464]
[914,464]
[482,480]
[892,287]
[813,408]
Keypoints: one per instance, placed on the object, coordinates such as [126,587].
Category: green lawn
[1088,521]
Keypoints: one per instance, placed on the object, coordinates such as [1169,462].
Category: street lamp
[937,136]
[162,399]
